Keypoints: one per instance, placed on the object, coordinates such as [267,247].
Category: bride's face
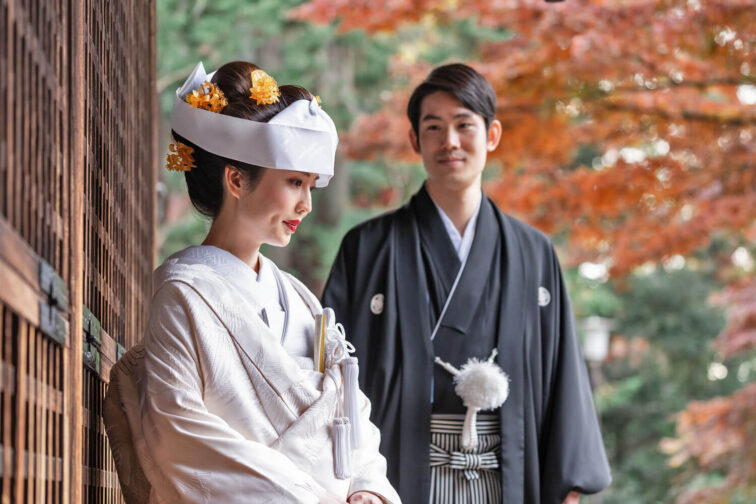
[276,205]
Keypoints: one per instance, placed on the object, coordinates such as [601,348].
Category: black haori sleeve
[572,450]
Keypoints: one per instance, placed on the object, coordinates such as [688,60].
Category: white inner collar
[462,243]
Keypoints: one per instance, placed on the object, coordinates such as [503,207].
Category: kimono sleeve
[571,448]
[369,465]
[189,454]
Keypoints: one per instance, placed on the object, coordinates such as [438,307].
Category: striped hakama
[464,477]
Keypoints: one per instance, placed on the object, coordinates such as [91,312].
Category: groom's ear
[494,135]
[414,141]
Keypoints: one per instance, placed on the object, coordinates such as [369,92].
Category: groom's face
[453,141]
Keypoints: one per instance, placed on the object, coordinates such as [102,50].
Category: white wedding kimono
[217,410]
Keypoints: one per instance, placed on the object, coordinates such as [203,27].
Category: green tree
[667,324]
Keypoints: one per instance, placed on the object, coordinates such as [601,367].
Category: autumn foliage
[657,79]
[720,435]
[629,127]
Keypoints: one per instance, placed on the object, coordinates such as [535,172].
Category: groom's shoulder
[374,232]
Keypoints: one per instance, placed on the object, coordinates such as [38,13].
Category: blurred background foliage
[628,138]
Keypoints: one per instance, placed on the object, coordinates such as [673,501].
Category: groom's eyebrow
[431,117]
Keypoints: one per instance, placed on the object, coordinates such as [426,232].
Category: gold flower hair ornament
[208,96]
[180,158]
[264,88]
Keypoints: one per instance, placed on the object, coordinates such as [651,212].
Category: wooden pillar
[73,417]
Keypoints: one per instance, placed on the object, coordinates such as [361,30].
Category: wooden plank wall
[77,227]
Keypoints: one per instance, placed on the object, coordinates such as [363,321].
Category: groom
[449,275]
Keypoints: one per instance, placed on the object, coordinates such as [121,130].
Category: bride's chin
[280,241]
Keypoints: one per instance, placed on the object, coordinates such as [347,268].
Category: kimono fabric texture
[215,408]
[510,296]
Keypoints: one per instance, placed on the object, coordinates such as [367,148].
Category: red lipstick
[292,224]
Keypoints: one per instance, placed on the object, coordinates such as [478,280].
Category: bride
[224,400]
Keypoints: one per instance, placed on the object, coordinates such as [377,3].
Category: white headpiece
[301,137]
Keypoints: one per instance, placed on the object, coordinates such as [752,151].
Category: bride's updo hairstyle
[206,178]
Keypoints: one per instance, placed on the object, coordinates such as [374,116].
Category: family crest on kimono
[242,390]
[432,292]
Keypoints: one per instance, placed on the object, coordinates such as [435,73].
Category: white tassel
[342,464]
[469,430]
[452,370]
[482,385]
[351,371]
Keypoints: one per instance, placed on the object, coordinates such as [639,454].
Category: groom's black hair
[461,81]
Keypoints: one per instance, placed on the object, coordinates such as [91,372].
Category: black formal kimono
[512,296]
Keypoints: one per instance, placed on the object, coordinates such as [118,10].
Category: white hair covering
[301,137]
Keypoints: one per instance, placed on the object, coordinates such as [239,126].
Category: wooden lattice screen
[118,208]
[77,220]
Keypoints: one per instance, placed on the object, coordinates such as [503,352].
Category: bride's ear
[233,181]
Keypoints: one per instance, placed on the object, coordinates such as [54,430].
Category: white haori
[218,411]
